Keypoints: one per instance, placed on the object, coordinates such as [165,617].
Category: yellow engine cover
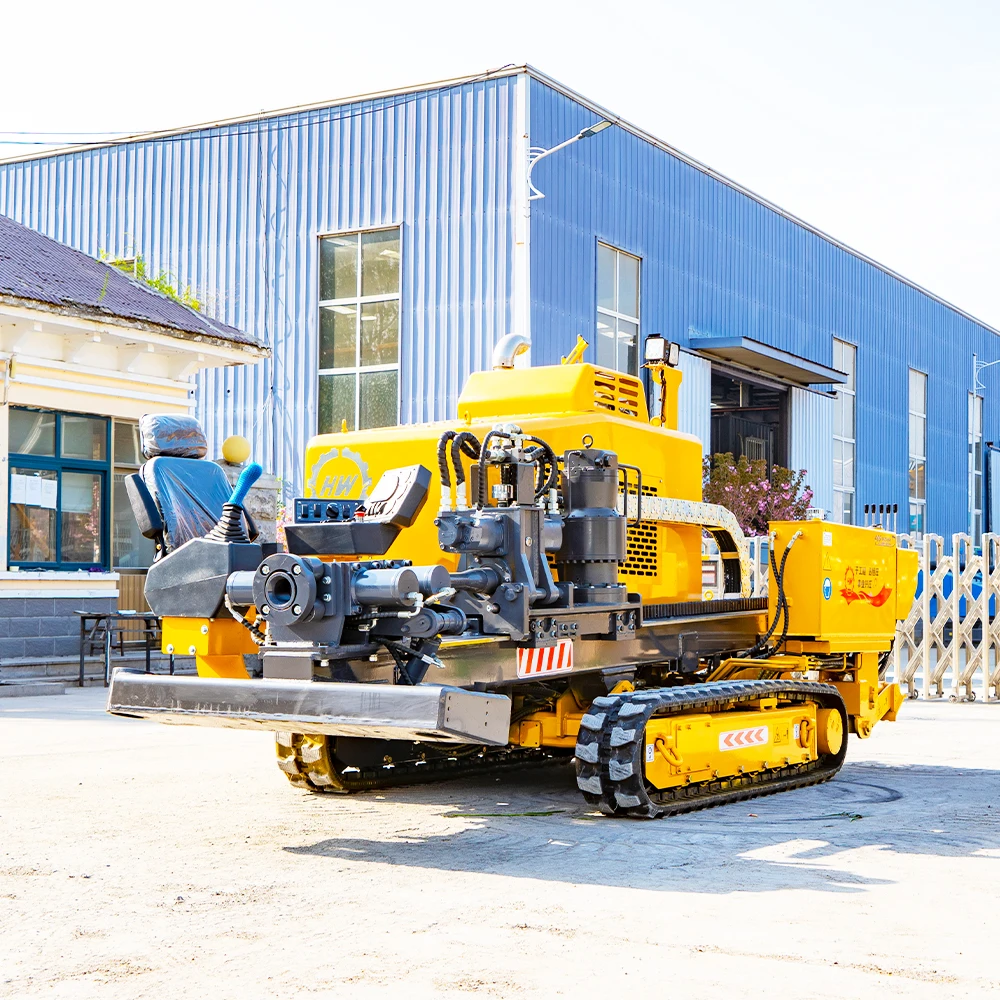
[564,405]
[846,586]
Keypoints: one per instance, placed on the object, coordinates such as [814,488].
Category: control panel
[316,510]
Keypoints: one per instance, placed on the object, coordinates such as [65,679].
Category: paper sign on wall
[49,489]
[17,488]
[33,491]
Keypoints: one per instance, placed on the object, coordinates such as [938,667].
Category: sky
[875,121]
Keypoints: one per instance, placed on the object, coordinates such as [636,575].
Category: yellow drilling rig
[518,587]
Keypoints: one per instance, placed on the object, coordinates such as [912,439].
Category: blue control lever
[248,477]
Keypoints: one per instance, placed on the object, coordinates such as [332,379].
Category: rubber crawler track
[609,749]
[309,763]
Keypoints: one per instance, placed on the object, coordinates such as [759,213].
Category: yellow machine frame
[838,595]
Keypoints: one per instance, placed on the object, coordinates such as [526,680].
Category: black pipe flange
[285,591]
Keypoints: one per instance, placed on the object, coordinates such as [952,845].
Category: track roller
[320,764]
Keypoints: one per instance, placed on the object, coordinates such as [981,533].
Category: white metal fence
[949,644]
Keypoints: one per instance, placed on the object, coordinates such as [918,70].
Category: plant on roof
[136,267]
[745,488]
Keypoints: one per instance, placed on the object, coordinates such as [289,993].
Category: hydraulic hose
[784,601]
[484,452]
[781,610]
[442,457]
[548,457]
[542,455]
[464,443]
[761,646]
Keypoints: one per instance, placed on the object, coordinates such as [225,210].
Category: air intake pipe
[508,348]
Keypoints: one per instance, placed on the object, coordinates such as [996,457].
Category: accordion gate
[950,642]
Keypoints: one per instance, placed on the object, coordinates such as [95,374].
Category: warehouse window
[975,467]
[359,277]
[844,434]
[617,310]
[129,550]
[58,483]
[918,451]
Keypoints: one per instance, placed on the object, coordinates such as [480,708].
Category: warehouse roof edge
[503,71]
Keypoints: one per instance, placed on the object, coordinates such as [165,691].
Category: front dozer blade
[377,711]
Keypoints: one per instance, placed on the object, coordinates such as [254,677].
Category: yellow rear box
[845,585]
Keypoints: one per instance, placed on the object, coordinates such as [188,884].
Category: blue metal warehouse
[382,244]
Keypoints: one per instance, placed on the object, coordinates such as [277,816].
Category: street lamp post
[536,153]
[977,367]
[522,263]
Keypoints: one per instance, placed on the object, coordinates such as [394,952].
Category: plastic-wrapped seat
[177,494]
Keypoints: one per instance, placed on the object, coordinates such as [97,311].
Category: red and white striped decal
[736,739]
[545,660]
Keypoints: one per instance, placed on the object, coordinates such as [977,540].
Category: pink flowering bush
[745,488]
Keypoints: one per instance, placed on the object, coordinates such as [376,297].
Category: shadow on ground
[807,839]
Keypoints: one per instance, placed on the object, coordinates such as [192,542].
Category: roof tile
[34,267]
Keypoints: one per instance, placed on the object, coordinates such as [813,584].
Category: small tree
[745,488]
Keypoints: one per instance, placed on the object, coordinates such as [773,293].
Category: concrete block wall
[36,629]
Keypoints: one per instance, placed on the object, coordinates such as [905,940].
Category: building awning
[754,355]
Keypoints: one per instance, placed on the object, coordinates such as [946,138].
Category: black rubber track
[609,749]
[317,768]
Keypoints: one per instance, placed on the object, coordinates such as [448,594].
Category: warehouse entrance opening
[749,417]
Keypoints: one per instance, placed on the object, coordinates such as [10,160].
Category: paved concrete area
[139,860]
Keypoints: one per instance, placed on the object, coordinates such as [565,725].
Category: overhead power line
[249,125]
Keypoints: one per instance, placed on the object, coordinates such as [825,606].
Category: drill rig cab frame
[546,608]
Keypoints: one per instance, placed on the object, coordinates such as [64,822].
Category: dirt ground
[139,860]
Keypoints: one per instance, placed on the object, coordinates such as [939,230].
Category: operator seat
[177,494]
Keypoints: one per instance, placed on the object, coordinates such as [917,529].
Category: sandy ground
[139,860]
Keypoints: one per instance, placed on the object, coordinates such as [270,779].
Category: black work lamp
[660,351]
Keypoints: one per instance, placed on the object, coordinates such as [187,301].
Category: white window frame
[917,452]
[357,301]
[840,349]
[975,467]
[119,467]
[614,314]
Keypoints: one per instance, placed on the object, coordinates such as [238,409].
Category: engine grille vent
[619,394]
[641,545]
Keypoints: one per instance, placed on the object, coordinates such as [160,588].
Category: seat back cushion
[189,494]
[177,435]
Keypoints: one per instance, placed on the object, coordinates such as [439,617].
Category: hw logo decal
[340,474]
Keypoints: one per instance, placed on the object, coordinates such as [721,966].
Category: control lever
[230,527]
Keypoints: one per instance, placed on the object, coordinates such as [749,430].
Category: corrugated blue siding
[719,261]
[694,401]
[810,445]
[234,212]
